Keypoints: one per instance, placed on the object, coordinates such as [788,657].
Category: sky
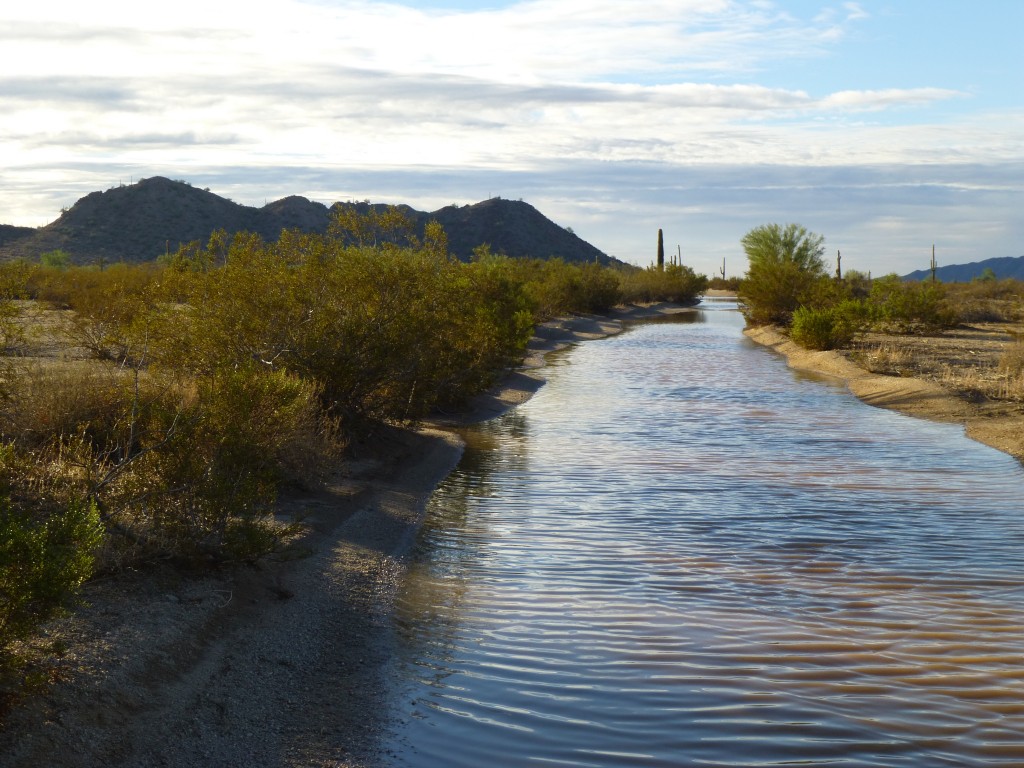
[885,125]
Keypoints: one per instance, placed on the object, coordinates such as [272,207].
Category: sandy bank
[280,665]
[998,427]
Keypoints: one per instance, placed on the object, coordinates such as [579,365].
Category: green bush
[201,478]
[675,282]
[724,284]
[911,306]
[558,288]
[827,327]
[44,559]
[45,556]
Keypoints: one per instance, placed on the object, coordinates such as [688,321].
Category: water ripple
[682,553]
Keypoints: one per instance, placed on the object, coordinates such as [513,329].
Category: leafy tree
[784,265]
[55,259]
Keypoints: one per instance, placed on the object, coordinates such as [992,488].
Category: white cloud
[891,97]
[600,105]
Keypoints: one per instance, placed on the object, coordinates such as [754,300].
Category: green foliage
[785,263]
[367,226]
[911,306]
[987,275]
[558,288]
[13,287]
[110,312]
[827,327]
[787,285]
[55,259]
[724,284]
[386,333]
[46,553]
[858,284]
[43,562]
[199,478]
[675,282]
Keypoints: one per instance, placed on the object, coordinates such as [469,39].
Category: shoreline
[277,664]
[915,397]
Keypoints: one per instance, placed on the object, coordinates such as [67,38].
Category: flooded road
[680,552]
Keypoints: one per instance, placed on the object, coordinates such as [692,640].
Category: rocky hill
[1004,267]
[142,221]
[511,227]
[9,234]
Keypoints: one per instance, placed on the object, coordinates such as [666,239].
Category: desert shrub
[724,283]
[910,306]
[385,333]
[201,478]
[595,289]
[57,259]
[401,330]
[556,287]
[991,301]
[858,284]
[675,282]
[175,466]
[827,327]
[44,559]
[490,332]
[46,553]
[13,287]
[110,308]
[64,287]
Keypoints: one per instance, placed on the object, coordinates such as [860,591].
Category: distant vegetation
[178,397]
[787,285]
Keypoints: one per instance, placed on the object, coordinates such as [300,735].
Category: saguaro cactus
[661,250]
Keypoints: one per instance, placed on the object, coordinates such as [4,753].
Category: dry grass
[979,362]
[886,358]
[1012,360]
[991,384]
[51,397]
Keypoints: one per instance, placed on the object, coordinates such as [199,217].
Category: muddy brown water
[680,552]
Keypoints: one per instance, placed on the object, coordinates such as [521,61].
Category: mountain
[142,221]
[9,234]
[511,227]
[1004,267]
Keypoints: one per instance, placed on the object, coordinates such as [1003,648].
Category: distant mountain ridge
[1003,267]
[142,221]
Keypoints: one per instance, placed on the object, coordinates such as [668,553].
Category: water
[681,552]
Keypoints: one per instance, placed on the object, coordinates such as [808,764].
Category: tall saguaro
[661,250]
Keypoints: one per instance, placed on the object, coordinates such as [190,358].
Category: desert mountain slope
[1004,267]
[142,221]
